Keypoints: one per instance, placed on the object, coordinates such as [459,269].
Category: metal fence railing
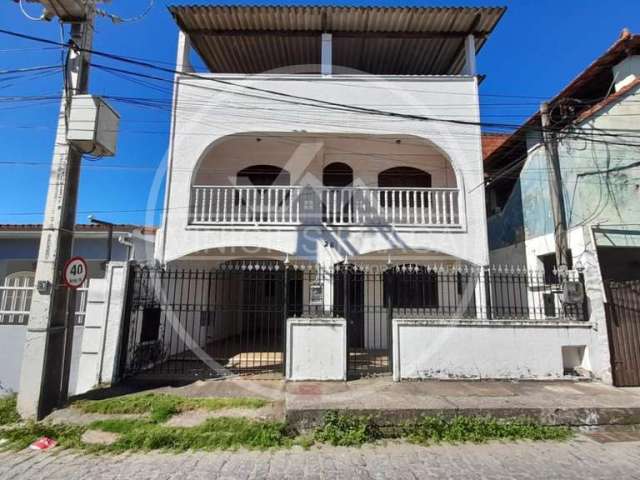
[232,318]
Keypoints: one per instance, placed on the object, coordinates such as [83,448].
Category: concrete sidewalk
[552,402]
[576,403]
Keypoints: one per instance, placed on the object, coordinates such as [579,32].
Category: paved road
[580,459]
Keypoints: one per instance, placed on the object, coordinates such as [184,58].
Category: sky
[536,49]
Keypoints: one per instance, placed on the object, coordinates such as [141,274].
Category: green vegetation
[8,412]
[428,430]
[23,435]
[214,434]
[347,430]
[150,432]
[161,407]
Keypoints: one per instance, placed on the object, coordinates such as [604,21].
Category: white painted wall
[203,117]
[12,338]
[490,349]
[316,349]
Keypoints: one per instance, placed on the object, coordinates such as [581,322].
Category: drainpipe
[131,248]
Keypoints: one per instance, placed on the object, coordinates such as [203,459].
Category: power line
[286,97]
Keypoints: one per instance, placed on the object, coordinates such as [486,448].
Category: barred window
[409,286]
[15,298]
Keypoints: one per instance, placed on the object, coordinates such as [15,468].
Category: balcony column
[470,55]
[326,54]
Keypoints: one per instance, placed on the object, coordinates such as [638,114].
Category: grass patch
[429,430]
[215,434]
[8,411]
[347,430]
[161,407]
[21,436]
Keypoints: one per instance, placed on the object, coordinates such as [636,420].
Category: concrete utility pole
[555,188]
[47,351]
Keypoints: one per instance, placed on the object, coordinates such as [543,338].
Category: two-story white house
[319,134]
[326,136]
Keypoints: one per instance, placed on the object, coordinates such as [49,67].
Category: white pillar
[106,303]
[470,55]
[326,54]
[183,64]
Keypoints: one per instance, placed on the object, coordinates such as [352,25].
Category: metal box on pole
[93,126]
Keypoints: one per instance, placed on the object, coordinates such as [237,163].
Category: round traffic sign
[75,272]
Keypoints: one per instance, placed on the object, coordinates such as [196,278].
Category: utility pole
[47,352]
[555,188]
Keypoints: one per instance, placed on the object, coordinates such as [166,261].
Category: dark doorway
[337,174]
[337,199]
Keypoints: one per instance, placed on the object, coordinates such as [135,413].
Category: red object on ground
[43,443]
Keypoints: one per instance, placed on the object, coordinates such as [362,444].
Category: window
[549,265]
[15,298]
[409,286]
[403,178]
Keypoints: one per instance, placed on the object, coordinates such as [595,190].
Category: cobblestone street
[581,458]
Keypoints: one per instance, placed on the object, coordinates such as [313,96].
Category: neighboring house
[18,258]
[596,117]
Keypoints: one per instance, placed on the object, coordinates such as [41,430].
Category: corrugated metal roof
[377,40]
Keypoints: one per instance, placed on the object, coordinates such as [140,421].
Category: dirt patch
[74,416]
[193,418]
[98,437]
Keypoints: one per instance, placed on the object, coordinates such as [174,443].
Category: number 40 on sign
[75,272]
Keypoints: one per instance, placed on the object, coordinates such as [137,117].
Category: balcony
[429,208]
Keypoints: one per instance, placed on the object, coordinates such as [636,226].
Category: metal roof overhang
[373,40]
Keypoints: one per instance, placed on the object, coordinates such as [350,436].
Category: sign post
[74,273]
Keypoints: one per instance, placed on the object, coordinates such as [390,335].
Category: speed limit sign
[75,272]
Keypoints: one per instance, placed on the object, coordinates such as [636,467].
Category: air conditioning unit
[93,126]
[572,292]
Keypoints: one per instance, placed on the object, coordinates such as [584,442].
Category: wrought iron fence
[231,319]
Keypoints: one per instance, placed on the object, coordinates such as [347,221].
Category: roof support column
[326,54]
[470,55]
[182,57]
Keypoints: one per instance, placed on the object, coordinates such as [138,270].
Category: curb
[306,419]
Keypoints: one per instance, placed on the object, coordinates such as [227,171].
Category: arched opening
[404,178]
[263,175]
[337,174]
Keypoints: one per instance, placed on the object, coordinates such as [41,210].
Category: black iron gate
[623,327]
[232,319]
[199,323]
[358,296]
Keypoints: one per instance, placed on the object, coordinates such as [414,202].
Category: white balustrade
[348,206]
